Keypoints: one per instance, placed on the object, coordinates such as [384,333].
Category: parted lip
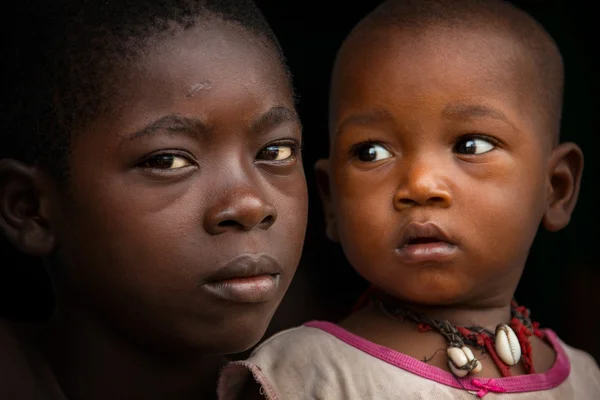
[246,266]
[423,232]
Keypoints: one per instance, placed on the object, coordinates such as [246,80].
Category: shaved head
[526,48]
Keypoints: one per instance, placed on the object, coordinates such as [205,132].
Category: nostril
[407,202]
[436,200]
[268,220]
[228,223]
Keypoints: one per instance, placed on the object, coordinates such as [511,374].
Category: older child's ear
[566,167]
[24,208]
[323,175]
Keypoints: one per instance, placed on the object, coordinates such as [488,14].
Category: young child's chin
[431,296]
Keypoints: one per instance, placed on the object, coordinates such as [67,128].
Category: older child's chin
[240,333]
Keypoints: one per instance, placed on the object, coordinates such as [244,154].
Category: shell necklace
[508,345]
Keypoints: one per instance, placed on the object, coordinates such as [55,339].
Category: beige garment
[323,361]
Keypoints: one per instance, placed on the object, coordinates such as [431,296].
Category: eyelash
[294,146]
[353,152]
[474,136]
[174,153]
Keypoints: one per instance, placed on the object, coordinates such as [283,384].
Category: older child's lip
[254,289]
[248,278]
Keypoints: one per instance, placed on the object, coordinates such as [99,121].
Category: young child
[444,161]
[152,159]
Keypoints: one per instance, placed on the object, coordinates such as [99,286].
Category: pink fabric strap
[556,375]
[489,386]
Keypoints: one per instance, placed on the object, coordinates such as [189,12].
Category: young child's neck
[464,315]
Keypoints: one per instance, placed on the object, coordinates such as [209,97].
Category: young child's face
[438,164]
[193,178]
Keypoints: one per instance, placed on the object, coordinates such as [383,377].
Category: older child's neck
[89,363]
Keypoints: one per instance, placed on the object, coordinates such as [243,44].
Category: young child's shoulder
[584,367]
[321,361]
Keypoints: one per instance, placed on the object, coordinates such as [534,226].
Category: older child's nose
[240,210]
[424,184]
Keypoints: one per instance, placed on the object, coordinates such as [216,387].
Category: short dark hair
[64,57]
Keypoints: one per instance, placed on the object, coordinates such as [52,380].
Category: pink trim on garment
[556,375]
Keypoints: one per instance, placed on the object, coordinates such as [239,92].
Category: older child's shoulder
[17,377]
[23,373]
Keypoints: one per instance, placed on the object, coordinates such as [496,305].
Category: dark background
[561,280]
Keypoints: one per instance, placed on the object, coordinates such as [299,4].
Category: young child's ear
[24,208]
[322,171]
[564,175]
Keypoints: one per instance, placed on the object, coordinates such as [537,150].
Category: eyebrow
[365,118]
[173,124]
[467,111]
[274,117]
[177,124]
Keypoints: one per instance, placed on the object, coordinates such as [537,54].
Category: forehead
[216,57]
[430,69]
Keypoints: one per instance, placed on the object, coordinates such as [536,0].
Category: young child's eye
[474,145]
[277,152]
[166,161]
[370,152]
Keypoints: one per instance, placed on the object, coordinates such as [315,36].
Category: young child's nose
[423,185]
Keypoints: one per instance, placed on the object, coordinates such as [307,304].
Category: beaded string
[457,336]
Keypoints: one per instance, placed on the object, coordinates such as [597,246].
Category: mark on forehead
[195,88]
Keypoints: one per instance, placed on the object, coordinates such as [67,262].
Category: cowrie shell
[471,357]
[478,367]
[457,357]
[507,345]
[458,372]
[468,353]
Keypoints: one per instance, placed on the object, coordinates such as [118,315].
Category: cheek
[364,215]
[505,214]
[130,242]
[291,203]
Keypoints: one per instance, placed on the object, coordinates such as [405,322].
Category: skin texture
[438,126]
[197,163]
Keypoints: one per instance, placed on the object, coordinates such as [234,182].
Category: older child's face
[188,206]
[438,166]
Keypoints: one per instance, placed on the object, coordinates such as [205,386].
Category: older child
[152,159]
[444,161]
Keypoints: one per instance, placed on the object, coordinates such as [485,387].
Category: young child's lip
[427,230]
[421,240]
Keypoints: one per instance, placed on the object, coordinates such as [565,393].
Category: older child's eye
[166,161]
[277,152]
[474,145]
[370,152]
